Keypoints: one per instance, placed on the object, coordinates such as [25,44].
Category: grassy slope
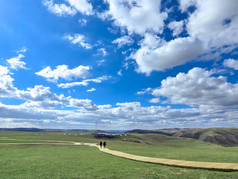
[176,148]
[221,136]
[48,161]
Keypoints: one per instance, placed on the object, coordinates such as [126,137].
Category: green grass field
[56,161]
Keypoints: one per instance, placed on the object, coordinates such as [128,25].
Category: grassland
[57,161]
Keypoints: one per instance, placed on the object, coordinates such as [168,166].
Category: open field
[59,161]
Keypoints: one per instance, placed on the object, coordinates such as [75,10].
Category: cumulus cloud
[124,40]
[85,103]
[74,6]
[82,6]
[38,93]
[231,63]
[138,16]
[154,100]
[184,4]
[78,39]
[59,9]
[16,63]
[170,54]
[211,29]
[215,22]
[84,82]
[62,71]
[6,86]
[176,27]
[199,88]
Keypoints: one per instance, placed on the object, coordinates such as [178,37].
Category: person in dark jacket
[100,144]
[104,144]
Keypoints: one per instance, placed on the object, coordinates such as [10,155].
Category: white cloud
[78,39]
[124,40]
[84,82]
[91,90]
[151,41]
[63,72]
[83,22]
[16,63]
[184,4]
[102,51]
[38,93]
[82,6]
[59,9]
[208,22]
[176,27]
[42,104]
[154,100]
[231,63]
[101,62]
[171,54]
[148,90]
[85,103]
[212,29]
[199,88]
[137,16]
[6,86]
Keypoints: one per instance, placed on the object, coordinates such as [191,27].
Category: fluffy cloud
[62,71]
[78,39]
[215,22]
[84,82]
[39,96]
[125,40]
[170,54]
[38,93]
[154,100]
[176,27]
[82,6]
[85,103]
[212,26]
[199,88]
[59,9]
[137,16]
[231,63]
[6,86]
[16,63]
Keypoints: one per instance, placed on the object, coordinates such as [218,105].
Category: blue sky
[124,64]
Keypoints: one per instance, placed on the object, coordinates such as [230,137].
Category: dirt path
[177,163]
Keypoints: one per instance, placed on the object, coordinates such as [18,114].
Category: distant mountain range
[48,130]
[221,136]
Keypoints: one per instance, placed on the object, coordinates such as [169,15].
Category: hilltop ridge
[227,137]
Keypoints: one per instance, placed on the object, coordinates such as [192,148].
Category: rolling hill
[227,137]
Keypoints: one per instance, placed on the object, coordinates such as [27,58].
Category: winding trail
[177,163]
[170,162]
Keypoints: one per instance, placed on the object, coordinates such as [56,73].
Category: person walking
[104,144]
[100,144]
